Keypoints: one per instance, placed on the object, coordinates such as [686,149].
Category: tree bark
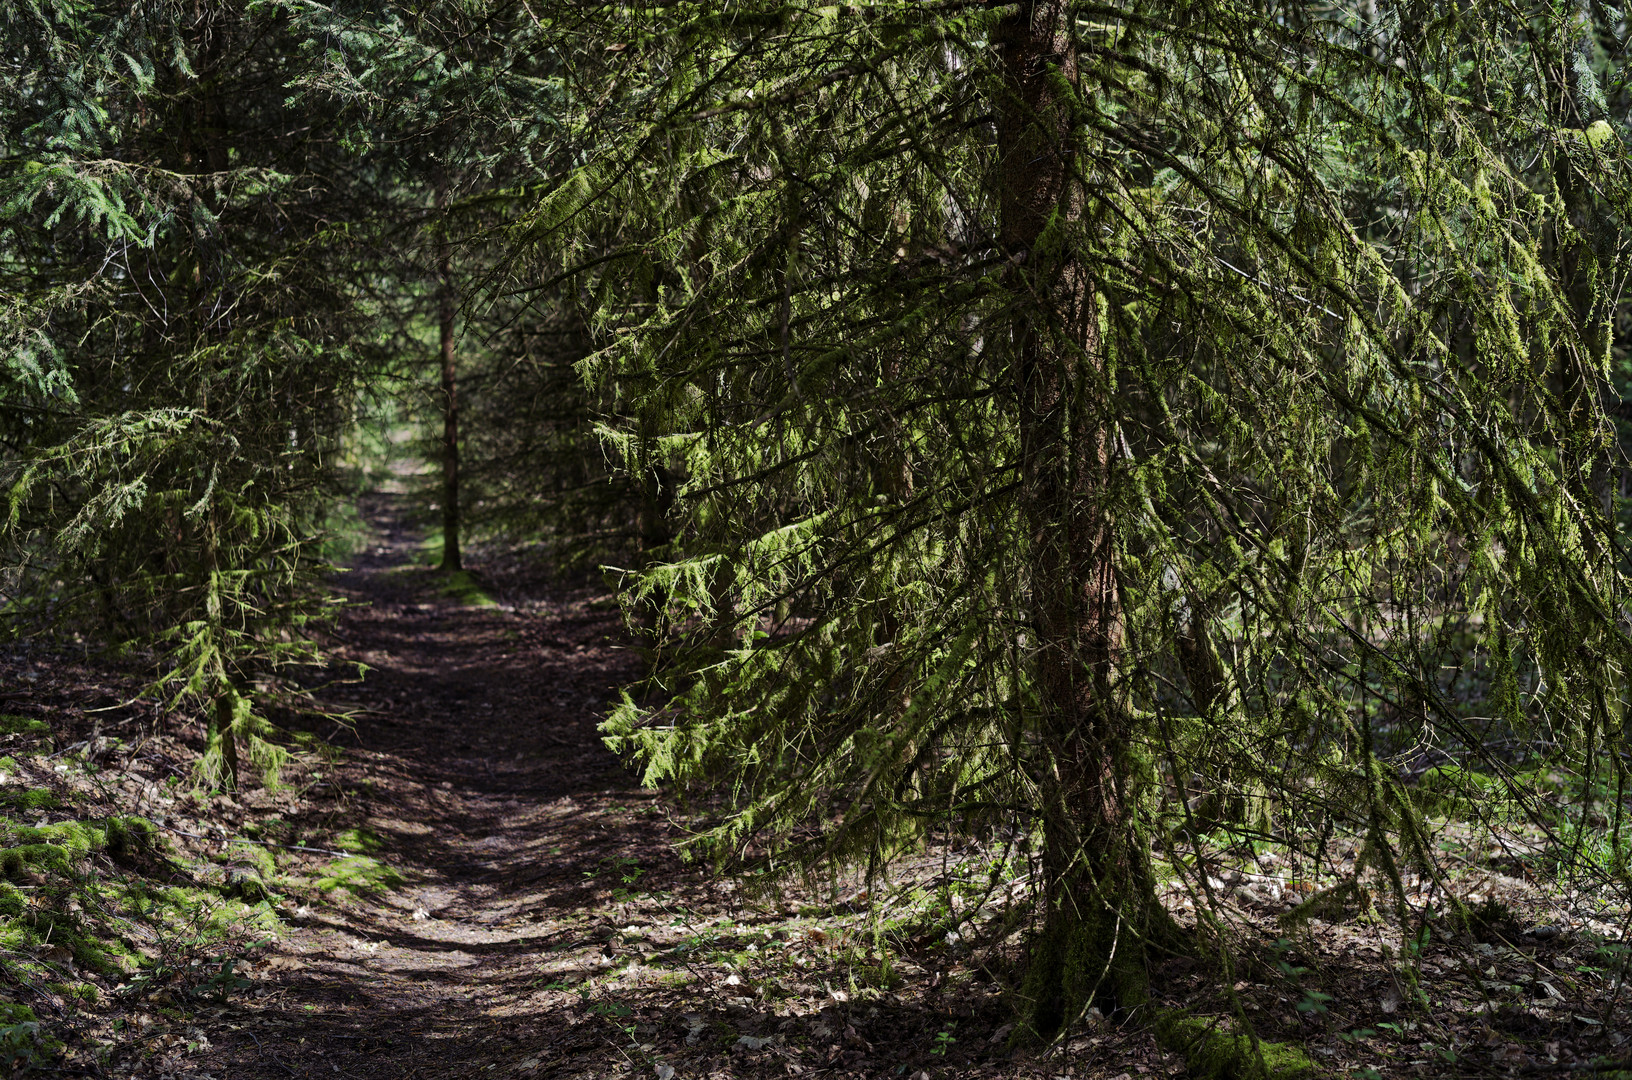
[447,309]
[1101,907]
[204,148]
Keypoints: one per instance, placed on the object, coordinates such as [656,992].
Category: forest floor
[470,885]
[517,907]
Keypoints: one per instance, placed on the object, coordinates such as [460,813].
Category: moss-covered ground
[120,902]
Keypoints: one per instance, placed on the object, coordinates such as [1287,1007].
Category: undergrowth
[104,912]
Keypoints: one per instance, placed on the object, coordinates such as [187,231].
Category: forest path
[476,782]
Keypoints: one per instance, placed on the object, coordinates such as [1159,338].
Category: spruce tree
[1117,426]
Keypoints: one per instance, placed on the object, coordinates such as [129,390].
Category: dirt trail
[476,769]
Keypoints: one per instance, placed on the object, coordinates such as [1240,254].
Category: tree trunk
[447,308]
[204,150]
[223,731]
[1101,907]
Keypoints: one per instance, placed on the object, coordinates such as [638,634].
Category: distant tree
[1114,424]
[457,107]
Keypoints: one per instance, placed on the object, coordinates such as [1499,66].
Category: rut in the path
[476,765]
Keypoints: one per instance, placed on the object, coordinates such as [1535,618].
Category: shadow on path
[476,774]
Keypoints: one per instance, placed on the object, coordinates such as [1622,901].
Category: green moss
[12,724]
[1598,134]
[13,1013]
[179,900]
[22,1042]
[261,859]
[261,917]
[76,838]
[248,870]
[1094,946]
[1215,1054]
[8,764]
[245,885]
[462,586]
[32,799]
[358,841]
[358,874]
[55,848]
[45,858]
[74,990]
[120,838]
[1069,971]
[96,947]
[93,953]
[12,902]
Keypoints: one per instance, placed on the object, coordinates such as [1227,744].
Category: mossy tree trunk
[225,717]
[203,129]
[1101,907]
